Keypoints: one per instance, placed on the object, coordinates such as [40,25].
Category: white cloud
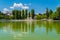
[12,7]
[25,7]
[5,10]
[19,5]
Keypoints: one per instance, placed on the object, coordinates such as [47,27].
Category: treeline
[18,14]
[25,14]
[49,14]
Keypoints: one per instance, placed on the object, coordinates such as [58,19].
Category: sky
[38,5]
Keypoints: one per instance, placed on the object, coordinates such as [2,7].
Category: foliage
[58,11]
[26,13]
[38,17]
[43,16]
[23,14]
[47,13]
[54,15]
[32,13]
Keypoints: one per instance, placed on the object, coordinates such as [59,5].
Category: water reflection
[26,28]
[30,26]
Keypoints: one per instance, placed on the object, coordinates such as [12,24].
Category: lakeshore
[27,20]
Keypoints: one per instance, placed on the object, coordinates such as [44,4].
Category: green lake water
[30,30]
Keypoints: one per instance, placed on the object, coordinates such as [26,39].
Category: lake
[30,30]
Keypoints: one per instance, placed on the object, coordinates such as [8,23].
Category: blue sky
[38,5]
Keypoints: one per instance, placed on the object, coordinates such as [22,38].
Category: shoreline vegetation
[26,15]
[48,20]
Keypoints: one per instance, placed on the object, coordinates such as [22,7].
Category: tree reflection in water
[30,26]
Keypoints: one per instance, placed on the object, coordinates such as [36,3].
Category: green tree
[14,12]
[32,13]
[58,12]
[47,13]
[23,16]
[29,14]
[54,15]
[1,15]
[26,12]
[44,16]
[50,12]
[19,14]
[38,17]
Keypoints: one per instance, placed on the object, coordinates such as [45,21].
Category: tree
[38,17]
[19,14]
[32,13]
[29,14]
[1,15]
[43,16]
[14,12]
[50,12]
[54,15]
[23,16]
[26,12]
[47,13]
[58,12]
